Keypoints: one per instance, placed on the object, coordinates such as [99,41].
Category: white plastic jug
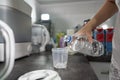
[40,36]
[8,35]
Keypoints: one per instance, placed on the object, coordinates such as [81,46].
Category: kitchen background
[66,15]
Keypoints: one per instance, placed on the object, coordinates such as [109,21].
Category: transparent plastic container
[82,45]
[60,57]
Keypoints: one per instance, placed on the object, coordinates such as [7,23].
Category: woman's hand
[85,31]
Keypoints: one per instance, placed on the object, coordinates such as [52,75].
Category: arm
[108,9]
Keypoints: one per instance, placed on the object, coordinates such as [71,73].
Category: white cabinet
[101,69]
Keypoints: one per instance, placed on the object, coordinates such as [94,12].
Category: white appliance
[40,37]
[17,14]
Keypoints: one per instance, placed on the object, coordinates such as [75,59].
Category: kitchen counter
[78,67]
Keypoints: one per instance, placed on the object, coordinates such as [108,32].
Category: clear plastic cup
[60,57]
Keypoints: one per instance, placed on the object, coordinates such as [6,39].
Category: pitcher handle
[9,50]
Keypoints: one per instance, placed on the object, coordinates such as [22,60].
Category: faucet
[9,59]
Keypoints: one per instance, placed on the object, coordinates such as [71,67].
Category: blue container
[108,48]
[109,34]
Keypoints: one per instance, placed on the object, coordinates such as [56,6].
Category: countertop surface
[78,67]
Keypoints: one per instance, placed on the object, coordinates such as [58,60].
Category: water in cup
[60,57]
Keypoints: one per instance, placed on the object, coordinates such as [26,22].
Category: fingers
[79,33]
[86,33]
[89,36]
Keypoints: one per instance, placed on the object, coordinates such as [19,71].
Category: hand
[85,31]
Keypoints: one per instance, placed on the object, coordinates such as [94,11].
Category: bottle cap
[67,38]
